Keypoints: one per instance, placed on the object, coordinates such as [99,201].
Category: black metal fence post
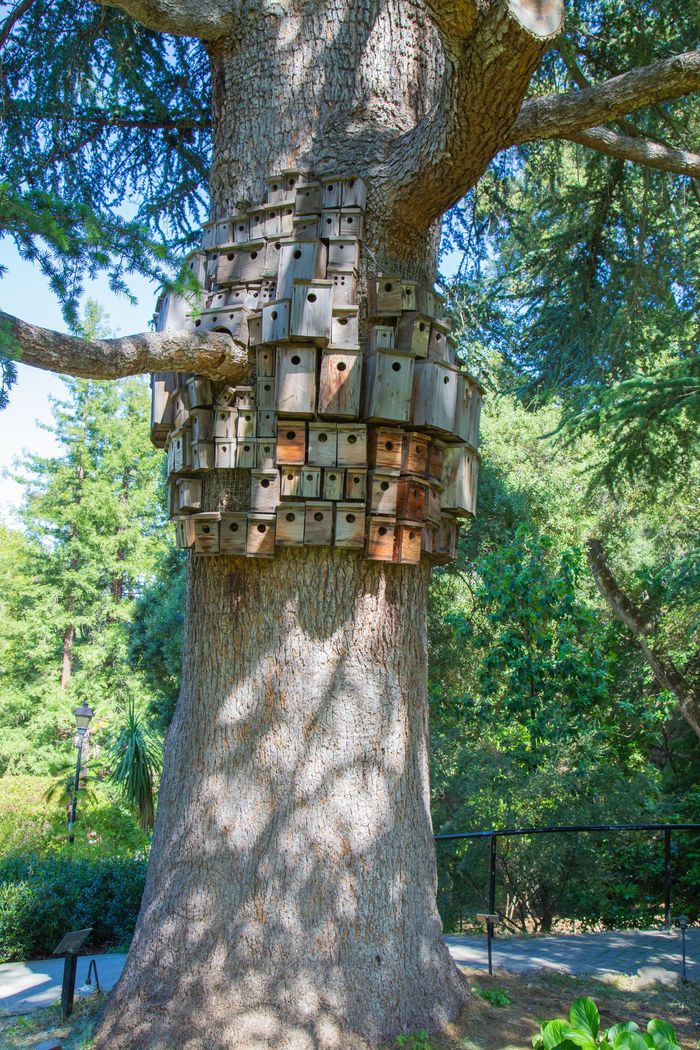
[492,901]
[667,878]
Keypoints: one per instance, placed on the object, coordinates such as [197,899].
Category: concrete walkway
[27,986]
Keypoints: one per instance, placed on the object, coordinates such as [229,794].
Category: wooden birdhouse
[460,478]
[413,333]
[208,235]
[291,179]
[304,228]
[413,495]
[273,224]
[295,393]
[446,540]
[272,259]
[345,328]
[245,452]
[203,455]
[260,538]
[330,224]
[217,301]
[224,232]
[438,346]
[264,490]
[385,449]
[349,526]
[290,525]
[256,225]
[163,386]
[318,525]
[382,337]
[356,484]
[333,483]
[332,193]
[475,403]
[184,532]
[228,266]
[246,423]
[409,295]
[206,532]
[275,189]
[265,361]
[226,398]
[383,493]
[255,328]
[268,291]
[436,458]
[236,296]
[384,296]
[189,494]
[290,482]
[266,455]
[344,287]
[252,301]
[291,443]
[381,535]
[408,543]
[352,445]
[245,398]
[266,423]
[232,533]
[199,393]
[415,454]
[172,314]
[388,386]
[179,450]
[252,262]
[302,261]
[203,424]
[241,230]
[351,223]
[310,482]
[312,311]
[181,408]
[340,384]
[434,396]
[232,319]
[434,513]
[343,254]
[323,444]
[224,453]
[275,321]
[195,265]
[354,193]
[266,393]
[425,300]
[308,199]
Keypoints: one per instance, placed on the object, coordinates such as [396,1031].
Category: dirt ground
[534,997]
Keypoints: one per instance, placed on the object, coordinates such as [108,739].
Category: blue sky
[25,293]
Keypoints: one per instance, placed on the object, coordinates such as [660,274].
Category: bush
[582,1032]
[42,898]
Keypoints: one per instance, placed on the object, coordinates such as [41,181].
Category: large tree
[290,895]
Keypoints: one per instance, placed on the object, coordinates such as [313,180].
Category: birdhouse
[226,397]
[232,533]
[460,478]
[436,458]
[352,445]
[266,455]
[304,228]
[290,525]
[299,261]
[388,386]
[252,262]
[354,193]
[208,235]
[273,227]
[290,482]
[332,193]
[260,537]
[340,384]
[310,482]
[189,494]
[345,328]
[224,232]
[256,225]
[268,291]
[163,385]
[408,543]
[171,314]
[224,453]
[291,443]
[356,484]
[438,346]
[343,254]
[384,296]
[381,534]
[232,319]
[265,361]
[228,266]
[333,483]
[255,328]
[475,402]
[434,396]
[323,444]
[383,493]
[275,189]
[245,398]
[385,449]
[236,296]
[245,452]
[252,299]
[246,424]
[272,259]
[206,532]
[291,179]
[351,222]
[212,266]
[434,513]
[312,311]
[184,532]
[318,525]
[275,321]
[415,454]
[330,224]
[446,540]
[344,287]
[202,455]
[265,393]
[295,393]
[425,300]
[240,228]
[217,301]
[203,425]
[266,423]
[199,393]
[413,333]
[349,526]
[413,499]
[179,450]
[308,199]
[382,337]
[409,295]
[264,490]
[195,265]
[181,408]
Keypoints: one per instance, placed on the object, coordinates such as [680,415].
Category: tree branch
[206,19]
[640,151]
[12,19]
[212,354]
[560,116]
[664,670]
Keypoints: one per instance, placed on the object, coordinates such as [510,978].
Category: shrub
[582,1032]
[41,898]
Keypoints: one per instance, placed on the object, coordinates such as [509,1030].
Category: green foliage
[583,1030]
[494,996]
[134,753]
[417,1041]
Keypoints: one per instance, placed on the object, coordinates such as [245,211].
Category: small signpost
[70,948]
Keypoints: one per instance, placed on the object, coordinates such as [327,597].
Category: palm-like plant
[133,755]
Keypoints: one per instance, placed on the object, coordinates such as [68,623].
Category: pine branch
[212,354]
[12,20]
[639,151]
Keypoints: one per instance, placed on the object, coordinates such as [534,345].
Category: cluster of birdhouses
[358,428]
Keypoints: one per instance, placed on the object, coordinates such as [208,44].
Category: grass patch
[28,1030]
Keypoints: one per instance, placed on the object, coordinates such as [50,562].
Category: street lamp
[83,714]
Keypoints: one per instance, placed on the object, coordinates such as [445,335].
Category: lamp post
[682,923]
[83,714]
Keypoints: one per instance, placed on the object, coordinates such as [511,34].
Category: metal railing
[494,834]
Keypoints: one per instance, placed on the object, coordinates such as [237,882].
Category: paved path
[26,986]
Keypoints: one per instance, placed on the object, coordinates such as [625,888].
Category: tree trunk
[290,898]
[67,655]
